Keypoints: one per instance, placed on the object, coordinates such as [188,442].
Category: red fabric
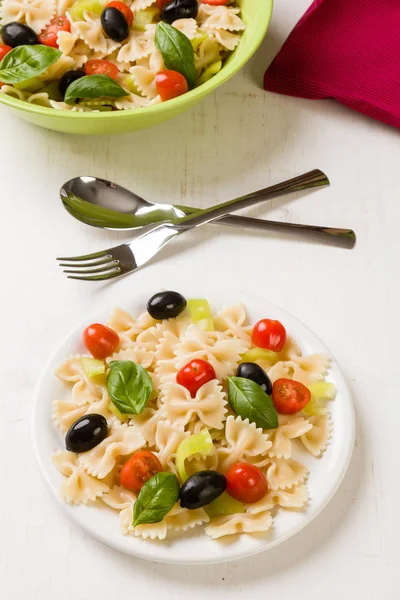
[344,49]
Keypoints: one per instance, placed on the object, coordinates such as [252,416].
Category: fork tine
[107,268]
[109,275]
[101,254]
[107,263]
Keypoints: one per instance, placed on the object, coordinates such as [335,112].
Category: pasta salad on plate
[182,418]
[100,55]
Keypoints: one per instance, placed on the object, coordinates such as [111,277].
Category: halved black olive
[114,24]
[166,305]
[86,433]
[201,489]
[253,371]
[17,34]
[179,9]
[68,78]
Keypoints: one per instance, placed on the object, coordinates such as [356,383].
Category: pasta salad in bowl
[181,423]
[104,57]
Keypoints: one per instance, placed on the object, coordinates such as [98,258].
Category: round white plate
[195,547]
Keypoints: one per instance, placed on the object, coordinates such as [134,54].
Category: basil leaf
[156,498]
[129,386]
[177,51]
[25,62]
[249,401]
[94,86]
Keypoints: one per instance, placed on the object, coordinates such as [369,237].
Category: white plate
[326,473]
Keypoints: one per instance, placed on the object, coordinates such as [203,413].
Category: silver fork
[125,258]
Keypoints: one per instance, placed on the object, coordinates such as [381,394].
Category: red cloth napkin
[344,49]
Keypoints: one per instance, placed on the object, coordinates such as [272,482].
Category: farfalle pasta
[164,408]
[128,44]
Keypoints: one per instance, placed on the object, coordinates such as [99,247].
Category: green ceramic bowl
[255,13]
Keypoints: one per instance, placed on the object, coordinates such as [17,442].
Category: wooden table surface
[237,140]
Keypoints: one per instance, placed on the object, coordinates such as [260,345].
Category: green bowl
[255,13]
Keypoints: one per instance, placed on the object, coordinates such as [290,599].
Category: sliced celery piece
[93,367]
[128,83]
[93,7]
[198,38]
[200,443]
[256,354]
[321,393]
[224,505]
[145,17]
[200,313]
[30,85]
[212,70]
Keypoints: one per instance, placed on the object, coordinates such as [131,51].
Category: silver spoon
[101,203]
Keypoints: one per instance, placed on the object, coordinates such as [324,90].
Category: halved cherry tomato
[98,66]
[4,49]
[124,9]
[139,469]
[48,37]
[290,396]
[246,483]
[195,374]
[161,3]
[101,341]
[269,334]
[170,84]
[214,2]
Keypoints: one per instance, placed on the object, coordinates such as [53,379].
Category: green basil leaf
[129,386]
[25,62]
[156,498]
[94,86]
[177,51]
[249,401]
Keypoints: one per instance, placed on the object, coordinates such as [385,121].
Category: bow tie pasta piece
[78,487]
[239,523]
[232,320]
[317,438]
[224,353]
[85,390]
[92,33]
[129,328]
[289,429]
[285,473]
[220,17]
[186,26]
[151,337]
[138,45]
[122,440]
[209,404]
[136,354]
[207,53]
[165,358]
[306,369]
[244,441]
[66,412]
[62,6]
[296,497]
[147,423]
[122,500]
[167,439]
[196,463]
[34,13]
[141,5]
[182,519]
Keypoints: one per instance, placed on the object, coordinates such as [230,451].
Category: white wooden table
[350,298]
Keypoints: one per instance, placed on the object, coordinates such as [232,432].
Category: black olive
[201,489]
[68,78]
[86,433]
[17,34]
[166,305]
[250,370]
[179,9]
[114,24]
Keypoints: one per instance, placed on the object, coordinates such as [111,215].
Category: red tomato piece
[246,483]
[139,469]
[290,396]
[161,3]
[170,84]
[214,2]
[4,49]
[269,334]
[101,341]
[99,66]
[195,374]
[124,9]
[48,37]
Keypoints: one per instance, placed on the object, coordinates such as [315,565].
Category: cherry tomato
[290,396]
[170,84]
[48,37]
[195,374]
[4,49]
[139,469]
[246,483]
[101,341]
[269,334]
[124,9]
[98,66]
[214,2]
[160,3]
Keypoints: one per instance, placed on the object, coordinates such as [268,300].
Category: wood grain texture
[237,140]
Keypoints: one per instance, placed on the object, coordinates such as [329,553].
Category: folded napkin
[344,49]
